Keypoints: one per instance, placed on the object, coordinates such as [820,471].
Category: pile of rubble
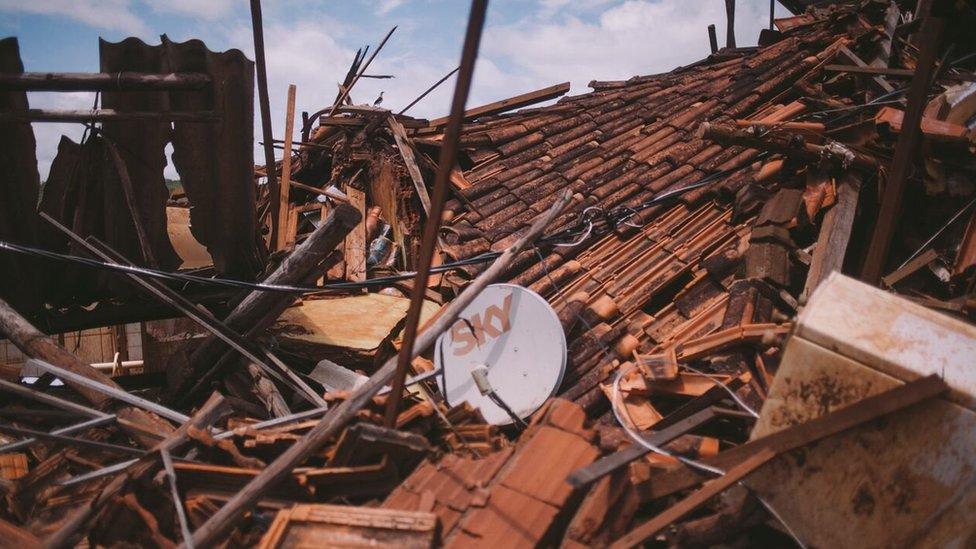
[723,382]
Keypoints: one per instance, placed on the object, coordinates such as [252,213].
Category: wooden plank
[284,189]
[694,501]
[355,244]
[923,259]
[793,437]
[511,103]
[409,158]
[905,149]
[835,233]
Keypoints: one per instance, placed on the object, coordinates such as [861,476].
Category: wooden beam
[102,81]
[835,233]
[284,189]
[892,16]
[853,58]
[694,501]
[882,71]
[511,103]
[410,159]
[905,149]
[104,115]
[712,39]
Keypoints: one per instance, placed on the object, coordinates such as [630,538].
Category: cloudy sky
[528,44]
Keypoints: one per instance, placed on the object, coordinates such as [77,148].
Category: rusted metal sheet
[215,160]
[19,183]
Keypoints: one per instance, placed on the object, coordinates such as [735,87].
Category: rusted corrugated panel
[141,143]
[215,159]
[19,184]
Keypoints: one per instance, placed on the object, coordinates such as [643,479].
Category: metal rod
[34,434]
[257,28]
[449,147]
[95,422]
[50,400]
[347,89]
[175,494]
[430,89]
[117,394]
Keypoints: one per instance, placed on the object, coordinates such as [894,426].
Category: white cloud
[102,14]
[205,9]
[386,6]
[631,38]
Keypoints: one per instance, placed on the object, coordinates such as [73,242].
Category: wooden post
[904,157]
[223,520]
[712,39]
[730,23]
[355,244]
[262,73]
[284,188]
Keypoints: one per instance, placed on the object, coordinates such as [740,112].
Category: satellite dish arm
[480,375]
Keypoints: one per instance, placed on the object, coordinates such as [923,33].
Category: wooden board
[355,244]
[357,322]
[348,526]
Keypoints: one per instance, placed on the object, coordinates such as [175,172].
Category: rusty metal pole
[449,147]
[257,26]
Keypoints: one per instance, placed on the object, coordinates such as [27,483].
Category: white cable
[731,393]
[641,440]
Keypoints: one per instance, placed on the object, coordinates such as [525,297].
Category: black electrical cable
[598,225]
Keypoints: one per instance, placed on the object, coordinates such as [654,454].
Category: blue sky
[528,44]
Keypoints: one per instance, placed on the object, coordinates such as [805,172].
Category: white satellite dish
[515,334]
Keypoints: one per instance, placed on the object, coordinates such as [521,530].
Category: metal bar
[103,81]
[257,28]
[104,115]
[50,400]
[117,394]
[69,440]
[95,422]
[445,164]
[362,69]
[905,149]
[430,89]
[175,494]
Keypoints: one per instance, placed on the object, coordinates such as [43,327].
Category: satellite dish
[515,334]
